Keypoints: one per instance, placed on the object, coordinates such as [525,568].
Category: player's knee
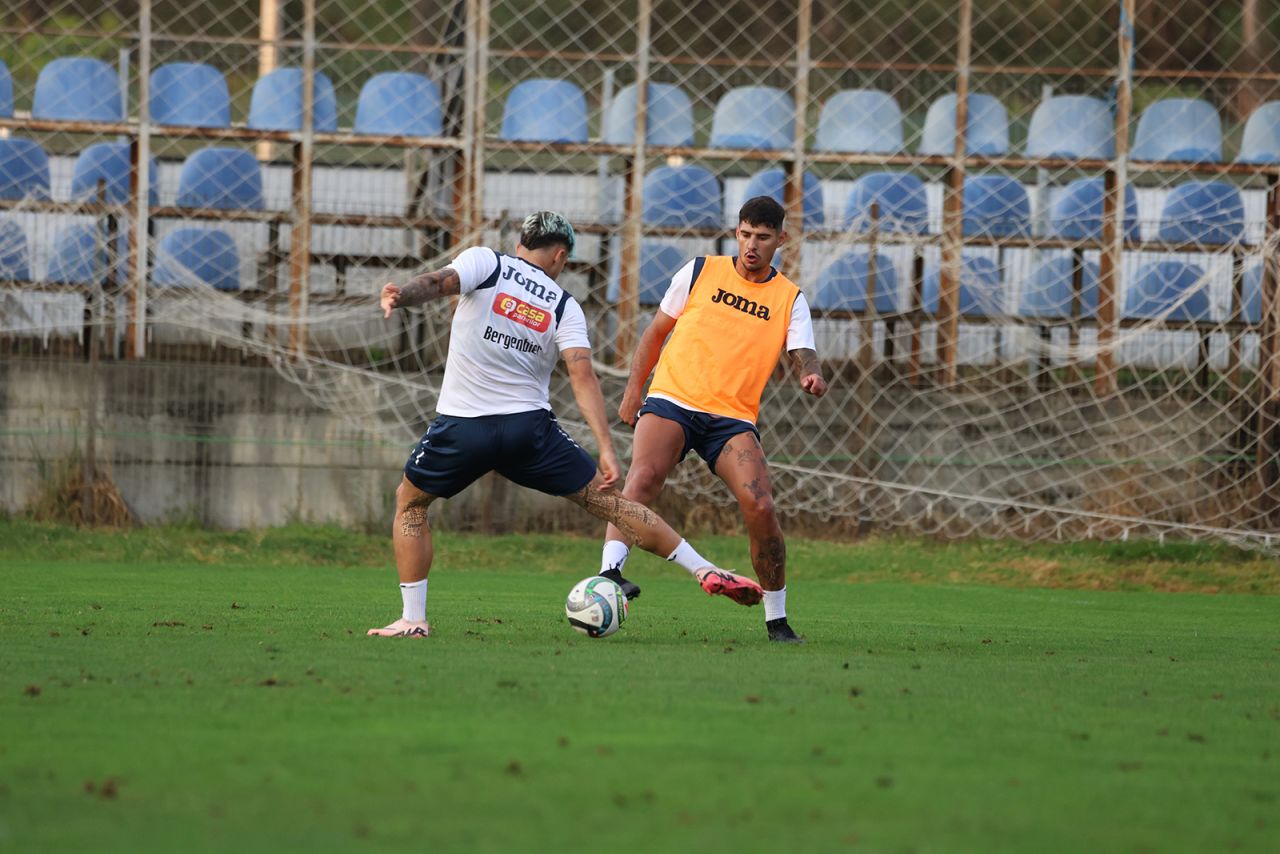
[644,482]
[406,494]
[758,509]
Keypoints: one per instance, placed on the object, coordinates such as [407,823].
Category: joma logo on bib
[741,303]
[537,319]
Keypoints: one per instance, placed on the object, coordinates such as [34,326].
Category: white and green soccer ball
[596,607]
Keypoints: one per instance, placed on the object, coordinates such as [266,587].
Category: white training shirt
[799,328]
[511,323]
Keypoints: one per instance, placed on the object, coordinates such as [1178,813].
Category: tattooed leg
[410,533]
[637,523]
[743,468]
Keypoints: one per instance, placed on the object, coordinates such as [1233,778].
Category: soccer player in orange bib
[724,322]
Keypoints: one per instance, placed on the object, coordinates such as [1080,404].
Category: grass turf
[169,688]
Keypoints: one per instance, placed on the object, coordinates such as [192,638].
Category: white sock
[614,555]
[775,604]
[688,557]
[414,595]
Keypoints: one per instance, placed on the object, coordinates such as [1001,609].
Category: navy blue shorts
[528,448]
[704,433]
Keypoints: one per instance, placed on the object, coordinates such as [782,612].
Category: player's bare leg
[639,525]
[654,453]
[742,466]
[411,541]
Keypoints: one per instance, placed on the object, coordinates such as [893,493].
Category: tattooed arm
[810,371]
[586,390]
[441,283]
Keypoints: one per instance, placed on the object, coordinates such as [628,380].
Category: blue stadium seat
[1206,212]
[545,110]
[1261,141]
[77,88]
[222,178]
[1072,127]
[24,169]
[276,102]
[843,285]
[190,94]
[6,92]
[1179,129]
[79,255]
[668,116]
[1156,290]
[687,196]
[772,183]
[987,130]
[109,162]
[1251,293]
[759,117]
[1076,211]
[981,289]
[996,206]
[904,206]
[1047,292]
[861,121]
[658,263]
[15,265]
[188,257]
[397,103]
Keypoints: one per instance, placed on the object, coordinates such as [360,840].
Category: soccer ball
[596,607]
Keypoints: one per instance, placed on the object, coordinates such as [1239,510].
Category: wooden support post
[953,210]
[633,189]
[1267,457]
[303,153]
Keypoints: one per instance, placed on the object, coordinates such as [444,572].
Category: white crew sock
[614,555]
[688,557]
[414,595]
[775,604]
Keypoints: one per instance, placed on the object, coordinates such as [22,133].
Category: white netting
[1063,327]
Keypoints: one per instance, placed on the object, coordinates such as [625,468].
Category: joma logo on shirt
[537,319]
[536,289]
[741,303]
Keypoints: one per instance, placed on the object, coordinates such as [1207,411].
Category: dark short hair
[544,228]
[762,210]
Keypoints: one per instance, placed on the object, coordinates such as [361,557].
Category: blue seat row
[192,94]
[185,257]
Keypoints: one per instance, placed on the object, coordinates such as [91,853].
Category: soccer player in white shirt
[494,412]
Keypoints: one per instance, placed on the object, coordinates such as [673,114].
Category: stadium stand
[658,263]
[772,182]
[981,289]
[754,117]
[79,256]
[221,178]
[1251,293]
[860,121]
[668,119]
[682,196]
[24,169]
[1261,140]
[78,88]
[1179,129]
[544,110]
[1076,211]
[107,162]
[276,102]
[903,203]
[190,94]
[1168,290]
[1071,127]
[1048,291]
[15,263]
[842,286]
[987,130]
[187,257]
[399,104]
[1210,213]
[996,206]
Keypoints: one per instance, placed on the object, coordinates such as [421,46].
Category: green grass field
[172,689]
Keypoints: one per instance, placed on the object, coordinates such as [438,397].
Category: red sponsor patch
[521,312]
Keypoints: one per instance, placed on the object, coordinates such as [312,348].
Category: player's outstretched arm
[586,390]
[809,369]
[419,289]
[643,363]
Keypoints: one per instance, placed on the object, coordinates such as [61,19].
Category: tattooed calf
[633,519]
